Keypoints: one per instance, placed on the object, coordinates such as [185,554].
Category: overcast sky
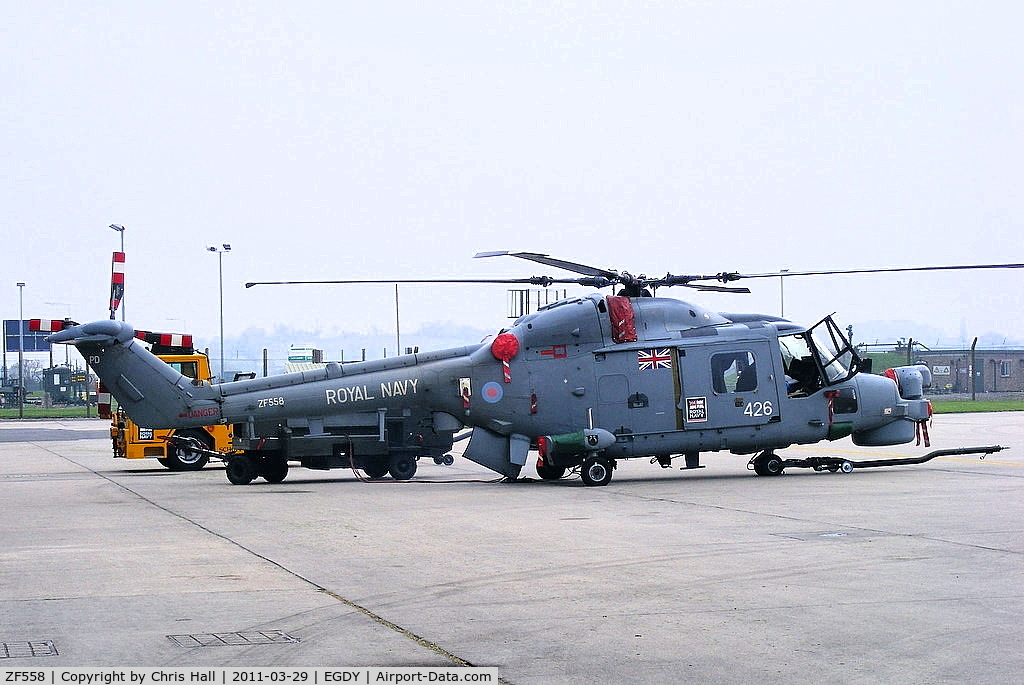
[396,140]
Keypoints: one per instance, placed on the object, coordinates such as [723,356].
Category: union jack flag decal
[654,359]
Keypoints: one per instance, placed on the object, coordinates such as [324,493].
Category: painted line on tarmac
[423,642]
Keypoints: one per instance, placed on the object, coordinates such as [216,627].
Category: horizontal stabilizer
[103,332]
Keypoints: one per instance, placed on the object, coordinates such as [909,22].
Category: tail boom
[151,392]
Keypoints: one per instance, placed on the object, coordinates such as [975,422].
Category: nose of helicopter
[911,380]
[892,406]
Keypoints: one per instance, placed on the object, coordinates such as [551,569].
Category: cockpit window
[835,352]
[802,375]
[836,364]
[820,356]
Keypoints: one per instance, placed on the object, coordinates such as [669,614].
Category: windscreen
[817,357]
[835,352]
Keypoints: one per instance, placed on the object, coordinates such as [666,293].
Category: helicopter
[584,382]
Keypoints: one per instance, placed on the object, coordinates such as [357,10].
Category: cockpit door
[728,384]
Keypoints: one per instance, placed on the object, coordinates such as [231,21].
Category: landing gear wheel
[550,472]
[274,470]
[596,471]
[375,468]
[768,464]
[847,467]
[241,470]
[402,467]
[180,456]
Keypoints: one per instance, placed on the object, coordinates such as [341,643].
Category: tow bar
[769,464]
[191,444]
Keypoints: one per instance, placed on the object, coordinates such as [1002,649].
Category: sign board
[34,340]
[696,409]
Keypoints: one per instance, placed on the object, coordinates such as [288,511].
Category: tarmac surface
[896,574]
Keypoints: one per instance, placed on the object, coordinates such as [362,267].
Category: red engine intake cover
[505,346]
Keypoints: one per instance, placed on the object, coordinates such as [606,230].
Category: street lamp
[21,351]
[220,271]
[120,229]
[782,293]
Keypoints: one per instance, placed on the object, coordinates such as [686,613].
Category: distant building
[996,370]
[303,358]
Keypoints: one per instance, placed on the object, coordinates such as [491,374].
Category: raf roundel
[492,392]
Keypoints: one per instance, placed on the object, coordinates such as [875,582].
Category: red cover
[620,311]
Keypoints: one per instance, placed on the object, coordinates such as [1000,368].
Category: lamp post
[120,229]
[220,271]
[782,293]
[21,351]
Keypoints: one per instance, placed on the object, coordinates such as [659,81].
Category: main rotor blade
[552,261]
[718,289]
[532,280]
[960,267]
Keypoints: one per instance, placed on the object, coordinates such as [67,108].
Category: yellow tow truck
[132,441]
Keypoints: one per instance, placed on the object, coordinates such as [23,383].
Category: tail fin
[151,392]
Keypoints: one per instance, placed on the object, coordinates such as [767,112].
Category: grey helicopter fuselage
[614,377]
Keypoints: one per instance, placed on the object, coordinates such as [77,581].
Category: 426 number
[758,409]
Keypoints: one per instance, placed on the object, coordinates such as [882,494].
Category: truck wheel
[181,458]
[274,469]
[241,470]
[596,471]
[402,467]
[375,468]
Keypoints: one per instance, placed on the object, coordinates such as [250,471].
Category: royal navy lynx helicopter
[584,382]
